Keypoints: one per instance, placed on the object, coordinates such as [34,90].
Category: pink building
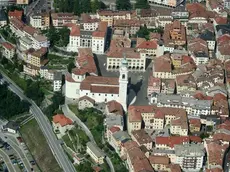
[154,85]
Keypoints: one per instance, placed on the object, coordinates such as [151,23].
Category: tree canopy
[34,91]
[58,37]
[78,6]
[123,4]
[11,104]
[142,4]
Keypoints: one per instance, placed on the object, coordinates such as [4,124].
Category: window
[123,76]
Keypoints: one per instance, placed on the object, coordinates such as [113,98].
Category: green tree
[95,5]
[86,167]
[85,6]
[142,4]
[102,5]
[33,91]
[64,37]
[123,4]
[11,104]
[76,7]
[143,32]
[70,66]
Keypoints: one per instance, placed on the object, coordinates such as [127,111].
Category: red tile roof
[130,144]
[8,46]
[99,84]
[141,137]
[155,159]
[17,23]
[103,26]
[134,112]
[15,14]
[162,64]
[195,122]
[85,62]
[115,107]
[148,45]
[87,98]
[114,129]
[221,20]
[62,120]
[159,115]
[221,136]
[171,141]
[175,168]
[119,53]
[215,153]
[30,30]
[98,34]
[75,31]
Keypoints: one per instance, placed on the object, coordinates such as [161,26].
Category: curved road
[72,116]
[7,161]
[46,128]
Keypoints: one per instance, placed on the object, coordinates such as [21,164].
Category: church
[98,88]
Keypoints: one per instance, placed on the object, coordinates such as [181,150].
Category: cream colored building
[85,102]
[109,16]
[136,61]
[40,20]
[22,2]
[61,124]
[8,50]
[159,163]
[95,153]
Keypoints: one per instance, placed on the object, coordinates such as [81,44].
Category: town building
[8,50]
[61,124]
[194,125]
[11,127]
[40,20]
[149,48]
[172,3]
[101,89]
[57,81]
[114,108]
[127,26]
[89,23]
[168,86]
[60,19]
[174,34]
[154,85]
[117,138]
[22,2]
[35,59]
[95,39]
[109,16]
[15,14]
[136,60]
[137,161]
[192,106]
[198,49]
[46,73]
[185,85]
[190,157]
[95,153]
[142,138]
[85,102]
[159,163]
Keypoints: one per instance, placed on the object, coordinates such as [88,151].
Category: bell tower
[123,83]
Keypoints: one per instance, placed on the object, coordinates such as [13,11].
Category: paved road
[11,141]
[7,161]
[46,128]
[72,116]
